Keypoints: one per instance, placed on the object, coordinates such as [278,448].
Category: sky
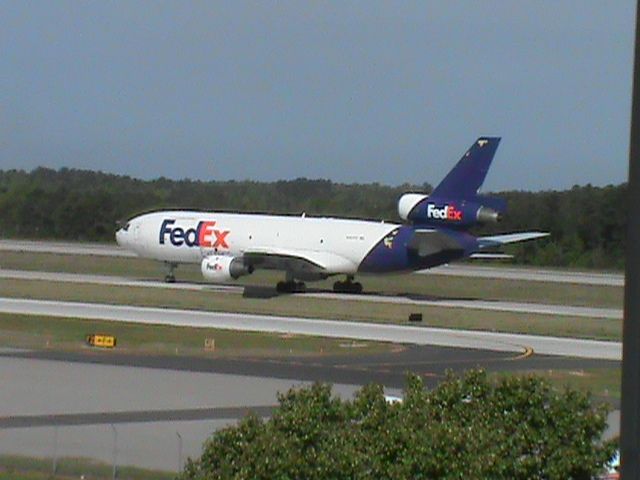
[352,91]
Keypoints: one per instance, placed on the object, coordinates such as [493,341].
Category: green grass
[404,284]
[26,331]
[15,467]
[603,383]
[317,308]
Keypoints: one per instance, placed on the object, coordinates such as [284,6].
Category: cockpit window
[126,227]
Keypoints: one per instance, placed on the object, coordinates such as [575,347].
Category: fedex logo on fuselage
[203,235]
[446,212]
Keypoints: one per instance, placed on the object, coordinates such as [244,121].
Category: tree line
[587,223]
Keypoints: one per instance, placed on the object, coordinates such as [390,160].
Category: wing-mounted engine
[222,268]
[421,209]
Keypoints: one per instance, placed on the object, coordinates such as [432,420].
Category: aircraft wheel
[347,287]
[291,287]
[170,279]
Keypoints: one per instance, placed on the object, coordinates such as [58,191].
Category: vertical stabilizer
[466,178]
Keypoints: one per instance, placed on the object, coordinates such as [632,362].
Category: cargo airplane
[435,231]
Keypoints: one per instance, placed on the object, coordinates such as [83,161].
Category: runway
[464,270]
[491,305]
[388,369]
[405,334]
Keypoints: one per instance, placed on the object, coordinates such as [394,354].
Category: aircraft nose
[121,237]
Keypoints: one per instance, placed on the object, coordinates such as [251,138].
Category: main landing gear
[290,285]
[348,286]
[170,276]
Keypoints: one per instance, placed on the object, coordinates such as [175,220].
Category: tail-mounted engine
[221,268]
[421,209]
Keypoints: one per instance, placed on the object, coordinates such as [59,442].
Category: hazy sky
[387,92]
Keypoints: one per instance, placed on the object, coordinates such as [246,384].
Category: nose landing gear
[348,286]
[170,276]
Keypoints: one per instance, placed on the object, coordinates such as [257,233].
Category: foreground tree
[468,427]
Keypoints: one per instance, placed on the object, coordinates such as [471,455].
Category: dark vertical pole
[54,467]
[179,452]
[630,416]
[114,473]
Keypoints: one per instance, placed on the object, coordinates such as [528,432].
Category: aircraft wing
[499,240]
[302,262]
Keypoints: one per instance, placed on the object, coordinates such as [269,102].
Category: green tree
[467,427]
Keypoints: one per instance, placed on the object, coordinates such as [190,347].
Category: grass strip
[27,331]
[603,383]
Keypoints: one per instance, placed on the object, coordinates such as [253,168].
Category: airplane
[435,232]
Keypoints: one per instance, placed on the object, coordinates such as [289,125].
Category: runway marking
[527,353]
[330,366]
[522,356]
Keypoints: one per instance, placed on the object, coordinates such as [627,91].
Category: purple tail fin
[466,178]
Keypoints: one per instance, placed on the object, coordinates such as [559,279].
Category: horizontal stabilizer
[498,240]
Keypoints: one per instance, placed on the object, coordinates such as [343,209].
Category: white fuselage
[175,237]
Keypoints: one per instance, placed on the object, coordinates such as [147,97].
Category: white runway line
[533,275]
[491,305]
[111,280]
[68,248]
[320,327]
